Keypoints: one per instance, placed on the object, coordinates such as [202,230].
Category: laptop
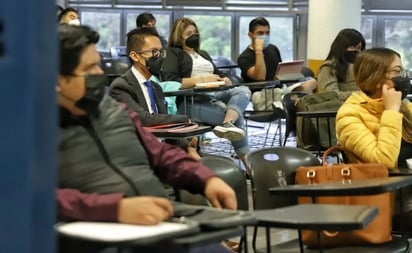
[290,71]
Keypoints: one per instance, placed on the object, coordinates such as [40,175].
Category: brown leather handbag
[378,231]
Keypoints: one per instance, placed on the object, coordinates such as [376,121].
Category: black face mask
[95,85]
[402,84]
[350,56]
[193,41]
[154,65]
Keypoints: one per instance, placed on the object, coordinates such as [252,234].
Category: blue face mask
[266,38]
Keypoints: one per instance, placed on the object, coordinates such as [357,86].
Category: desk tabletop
[263,85]
[194,91]
[322,216]
[400,172]
[317,114]
[184,134]
[207,237]
[356,187]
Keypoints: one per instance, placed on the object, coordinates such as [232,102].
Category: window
[281,34]
[162,23]
[397,37]
[215,32]
[108,26]
[367,30]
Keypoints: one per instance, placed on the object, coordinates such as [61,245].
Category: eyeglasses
[155,52]
[399,72]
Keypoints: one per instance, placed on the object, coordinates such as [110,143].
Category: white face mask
[74,22]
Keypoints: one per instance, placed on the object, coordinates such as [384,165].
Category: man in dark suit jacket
[146,53]
[127,89]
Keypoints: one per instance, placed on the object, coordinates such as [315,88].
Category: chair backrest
[226,169]
[289,108]
[118,52]
[273,167]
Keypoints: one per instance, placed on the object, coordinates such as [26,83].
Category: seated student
[146,54]
[148,20]
[336,73]
[259,61]
[186,63]
[69,16]
[104,149]
[375,123]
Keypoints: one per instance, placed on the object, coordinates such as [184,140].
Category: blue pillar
[28,125]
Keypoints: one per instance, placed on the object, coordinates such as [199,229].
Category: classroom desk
[144,238]
[254,86]
[193,92]
[345,218]
[357,187]
[400,172]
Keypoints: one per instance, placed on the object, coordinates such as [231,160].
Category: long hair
[346,38]
[176,35]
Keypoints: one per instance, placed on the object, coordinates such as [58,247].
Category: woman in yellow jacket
[376,122]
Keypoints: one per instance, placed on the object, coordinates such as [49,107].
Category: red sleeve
[170,163]
[74,205]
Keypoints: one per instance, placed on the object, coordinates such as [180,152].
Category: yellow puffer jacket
[370,132]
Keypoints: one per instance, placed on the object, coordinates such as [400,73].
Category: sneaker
[229,131]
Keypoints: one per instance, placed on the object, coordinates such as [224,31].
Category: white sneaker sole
[232,134]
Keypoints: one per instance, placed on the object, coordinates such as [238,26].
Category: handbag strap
[339,148]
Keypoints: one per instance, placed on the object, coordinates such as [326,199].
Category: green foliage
[215,34]
[397,37]
[107,24]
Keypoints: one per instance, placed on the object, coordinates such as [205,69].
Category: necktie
[148,84]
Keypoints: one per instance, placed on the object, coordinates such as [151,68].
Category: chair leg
[267,134]
[255,230]
[243,241]
[268,242]
[278,131]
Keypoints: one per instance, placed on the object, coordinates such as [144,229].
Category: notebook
[125,233]
[290,71]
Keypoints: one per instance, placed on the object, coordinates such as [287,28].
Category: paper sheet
[117,232]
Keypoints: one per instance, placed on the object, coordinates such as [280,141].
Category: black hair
[135,38]
[72,41]
[258,21]
[65,11]
[346,38]
[144,18]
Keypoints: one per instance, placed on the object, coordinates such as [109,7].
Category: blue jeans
[211,110]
